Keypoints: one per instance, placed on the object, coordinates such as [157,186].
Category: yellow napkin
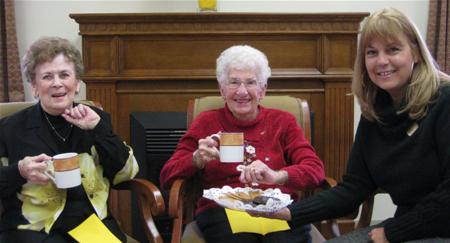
[93,230]
[243,222]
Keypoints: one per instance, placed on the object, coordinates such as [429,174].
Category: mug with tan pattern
[66,170]
[231,146]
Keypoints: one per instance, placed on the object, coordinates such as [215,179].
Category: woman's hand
[82,116]
[33,169]
[207,151]
[377,235]
[283,214]
[259,172]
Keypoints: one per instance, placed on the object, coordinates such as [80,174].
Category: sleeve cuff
[403,228]
[307,211]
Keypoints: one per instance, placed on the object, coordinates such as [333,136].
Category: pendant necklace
[56,132]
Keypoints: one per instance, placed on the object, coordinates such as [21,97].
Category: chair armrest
[329,183]
[331,224]
[176,198]
[151,203]
[176,208]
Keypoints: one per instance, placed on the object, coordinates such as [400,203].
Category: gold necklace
[56,132]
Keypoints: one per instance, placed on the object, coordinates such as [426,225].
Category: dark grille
[162,140]
[154,137]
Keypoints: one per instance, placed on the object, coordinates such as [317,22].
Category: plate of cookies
[247,198]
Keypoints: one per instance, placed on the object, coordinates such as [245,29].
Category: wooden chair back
[296,106]
[8,108]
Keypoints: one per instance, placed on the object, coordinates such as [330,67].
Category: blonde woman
[402,143]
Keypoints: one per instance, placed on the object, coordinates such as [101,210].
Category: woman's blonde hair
[388,24]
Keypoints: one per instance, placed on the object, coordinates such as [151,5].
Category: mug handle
[49,173]
[216,137]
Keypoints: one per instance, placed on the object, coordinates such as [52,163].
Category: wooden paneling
[154,56]
[158,61]
[99,56]
[339,54]
[339,129]
[105,93]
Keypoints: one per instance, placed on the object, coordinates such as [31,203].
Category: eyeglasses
[248,84]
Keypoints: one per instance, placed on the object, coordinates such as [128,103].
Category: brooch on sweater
[249,157]
[412,129]
[249,154]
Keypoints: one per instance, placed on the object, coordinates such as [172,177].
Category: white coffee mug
[66,170]
[231,146]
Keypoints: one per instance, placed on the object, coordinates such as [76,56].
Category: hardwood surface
[158,61]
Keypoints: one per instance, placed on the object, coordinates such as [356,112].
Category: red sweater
[277,138]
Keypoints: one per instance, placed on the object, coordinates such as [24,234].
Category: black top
[28,133]
[414,169]
[77,207]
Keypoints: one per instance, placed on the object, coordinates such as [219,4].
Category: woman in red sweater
[284,159]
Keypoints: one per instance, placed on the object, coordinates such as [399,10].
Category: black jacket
[27,133]
[414,169]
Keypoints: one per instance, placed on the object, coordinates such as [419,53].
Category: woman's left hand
[259,172]
[82,116]
[377,235]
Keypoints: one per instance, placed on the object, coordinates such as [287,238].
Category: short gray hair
[44,50]
[242,57]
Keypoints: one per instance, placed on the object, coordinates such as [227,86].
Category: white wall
[37,18]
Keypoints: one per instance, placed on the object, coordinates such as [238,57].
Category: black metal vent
[154,137]
[162,140]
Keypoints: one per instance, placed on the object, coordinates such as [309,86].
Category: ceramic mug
[66,170]
[231,146]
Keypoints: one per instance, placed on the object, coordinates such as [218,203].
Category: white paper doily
[219,196]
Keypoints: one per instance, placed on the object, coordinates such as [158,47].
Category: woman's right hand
[207,151]
[33,169]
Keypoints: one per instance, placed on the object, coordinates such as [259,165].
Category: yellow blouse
[42,204]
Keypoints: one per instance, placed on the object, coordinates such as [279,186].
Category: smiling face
[242,93]
[390,65]
[56,84]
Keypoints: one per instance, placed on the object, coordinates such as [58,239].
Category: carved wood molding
[202,23]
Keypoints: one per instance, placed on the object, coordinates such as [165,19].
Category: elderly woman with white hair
[284,159]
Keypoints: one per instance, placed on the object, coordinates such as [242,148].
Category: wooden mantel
[158,61]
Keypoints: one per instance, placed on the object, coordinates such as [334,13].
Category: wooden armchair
[365,217]
[150,200]
[183,195]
